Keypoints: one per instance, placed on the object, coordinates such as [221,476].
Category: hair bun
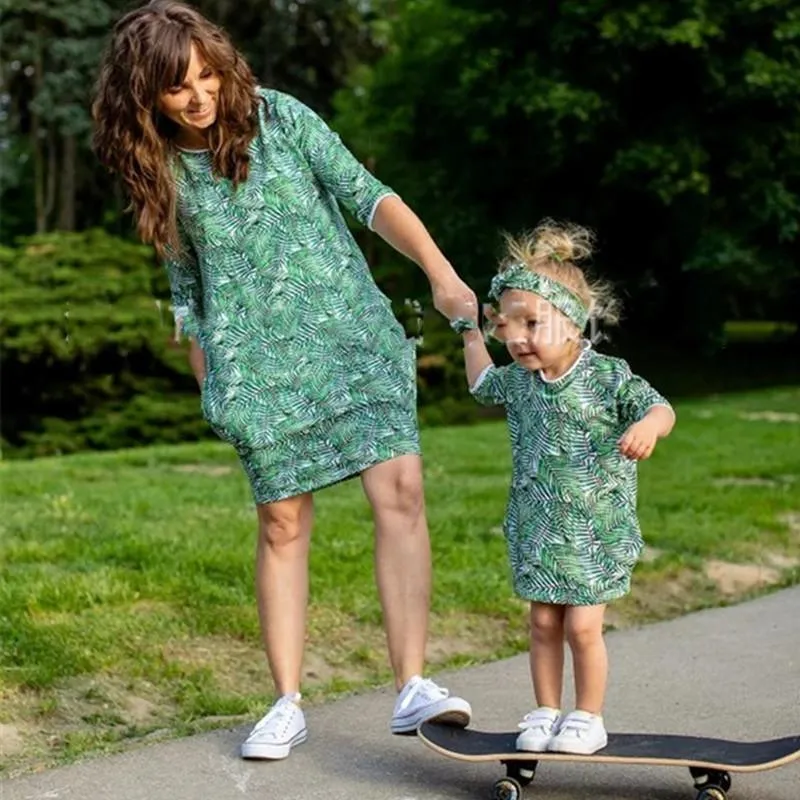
[557,242]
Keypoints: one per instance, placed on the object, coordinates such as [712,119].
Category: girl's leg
[584,630]
[583,731]
[282,585]
[547,653]
[547,672]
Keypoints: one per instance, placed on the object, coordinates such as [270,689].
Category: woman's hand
[453,298]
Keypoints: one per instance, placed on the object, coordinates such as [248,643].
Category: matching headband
[517,276]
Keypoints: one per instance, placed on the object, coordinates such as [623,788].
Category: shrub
[86,355]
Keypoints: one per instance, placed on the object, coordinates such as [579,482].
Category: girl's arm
[476,356]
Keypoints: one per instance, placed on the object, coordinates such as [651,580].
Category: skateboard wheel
[509,789]
[523,773]
[712,793]
[711,785]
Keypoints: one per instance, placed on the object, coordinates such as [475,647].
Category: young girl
[578,423]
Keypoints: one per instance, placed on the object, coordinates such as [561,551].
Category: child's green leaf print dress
[571,526]
[309,375]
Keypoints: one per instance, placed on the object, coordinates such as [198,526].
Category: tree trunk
[51,177]
[39,170]
[66,205]
[38,174]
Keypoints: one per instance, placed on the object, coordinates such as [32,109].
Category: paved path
[732,672]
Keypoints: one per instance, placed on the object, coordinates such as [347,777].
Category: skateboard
[710,761]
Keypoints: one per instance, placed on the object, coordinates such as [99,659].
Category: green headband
[517,276]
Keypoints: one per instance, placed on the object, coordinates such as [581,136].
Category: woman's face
[193,104]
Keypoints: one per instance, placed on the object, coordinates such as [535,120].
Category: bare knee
[285,525]
[583,634]
[547,624]
[401,493]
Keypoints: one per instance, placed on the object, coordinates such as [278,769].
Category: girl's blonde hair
[554,249]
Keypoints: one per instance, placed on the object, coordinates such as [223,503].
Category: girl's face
[192,105]
[537,335]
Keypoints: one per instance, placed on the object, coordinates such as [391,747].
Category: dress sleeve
[635,396]
[183,272]
[333,165]
[491,387]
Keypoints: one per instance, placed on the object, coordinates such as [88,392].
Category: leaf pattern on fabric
[308,372]
[571,526]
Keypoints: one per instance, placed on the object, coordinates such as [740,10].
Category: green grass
[126,599]
[758,330]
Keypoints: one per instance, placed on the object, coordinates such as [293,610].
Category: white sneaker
[538,729]
[275,734]
[580,732]
[421,700]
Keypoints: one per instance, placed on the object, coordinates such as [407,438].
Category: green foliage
[670,128]
[86,357]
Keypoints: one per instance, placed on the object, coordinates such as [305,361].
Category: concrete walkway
[732,673]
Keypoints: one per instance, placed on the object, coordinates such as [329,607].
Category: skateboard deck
[709,760]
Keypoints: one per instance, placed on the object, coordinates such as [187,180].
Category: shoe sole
[272,752]
[541,749]
[573,752]
[456,715]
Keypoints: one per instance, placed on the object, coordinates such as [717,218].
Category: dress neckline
[562,381]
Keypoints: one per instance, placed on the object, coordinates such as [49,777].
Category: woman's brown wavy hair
[148,53]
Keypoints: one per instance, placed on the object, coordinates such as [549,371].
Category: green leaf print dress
[571,527]
[309,375]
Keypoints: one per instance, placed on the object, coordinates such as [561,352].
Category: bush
[86,359]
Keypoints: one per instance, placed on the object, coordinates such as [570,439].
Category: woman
[302,365]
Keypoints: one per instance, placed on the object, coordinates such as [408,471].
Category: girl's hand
[639,440]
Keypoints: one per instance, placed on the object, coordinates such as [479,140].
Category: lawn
[126,600]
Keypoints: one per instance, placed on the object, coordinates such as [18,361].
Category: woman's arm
[371,202]
[183,272]
[197,362]
[398,225]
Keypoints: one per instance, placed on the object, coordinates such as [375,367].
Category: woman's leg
[403,574]
[402,560]
[284,536]
[584,629]
[547,653]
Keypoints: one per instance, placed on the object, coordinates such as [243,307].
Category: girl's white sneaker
[581,733]
[538,729]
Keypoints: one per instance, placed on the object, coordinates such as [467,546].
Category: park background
[672,129]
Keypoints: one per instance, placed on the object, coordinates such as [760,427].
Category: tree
[50,50]
[671,128]
[48,65]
